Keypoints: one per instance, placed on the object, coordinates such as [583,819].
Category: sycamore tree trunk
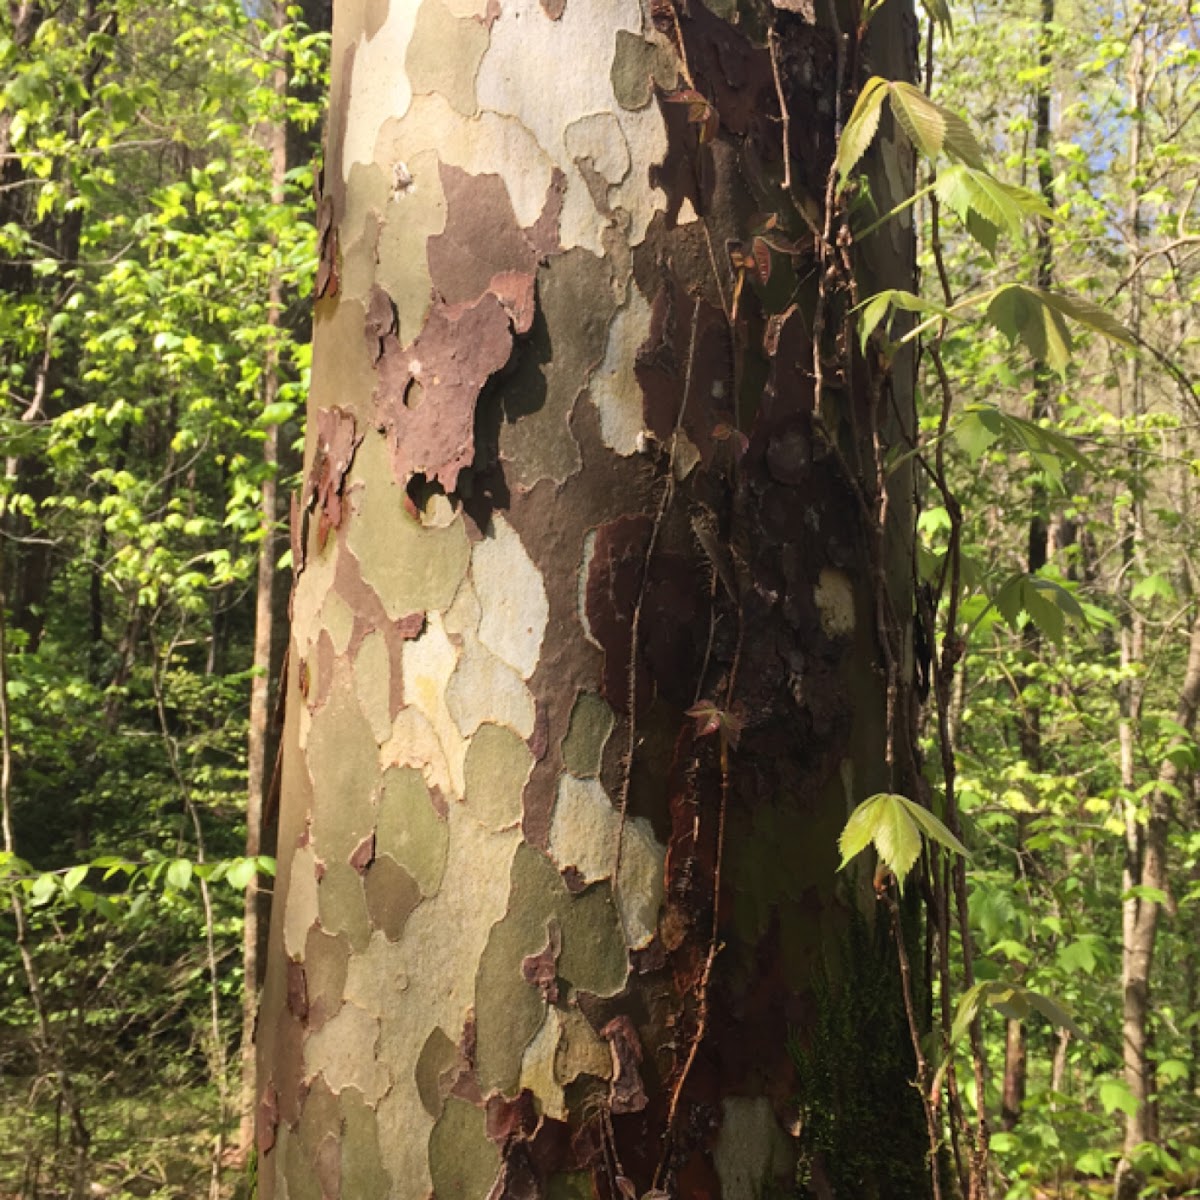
[601,619]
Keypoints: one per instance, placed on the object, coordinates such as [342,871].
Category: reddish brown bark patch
[297,990]
[337,440]
[541,969]
[611,596]
[483,267]
[627,1094]
[268,1119]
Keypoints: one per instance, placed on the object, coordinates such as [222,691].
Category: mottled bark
[571,473]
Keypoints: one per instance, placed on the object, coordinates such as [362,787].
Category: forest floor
[156,1145]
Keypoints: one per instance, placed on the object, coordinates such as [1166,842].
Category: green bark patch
[462,1161]
[497,768]
[438,1056]
[409,830]
[343,758]
[343,905]
[326,958]
[591,724]
[425,564]
[510,1010]
[362,1172]
[638,65]
[576,305]
[392,894]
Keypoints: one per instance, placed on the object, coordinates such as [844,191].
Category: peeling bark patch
[424,566]
[426,394]
[379,322]
[268,1119]
[583,837]
[363,854]
[554,9]
[392,894]
[344,905]
[337,441]
[541,969]
[639,65]
[326,284]
[593,958]
[626,1092]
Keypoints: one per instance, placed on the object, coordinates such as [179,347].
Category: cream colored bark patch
[512,597]
[552,74]
[583,835]
[834,598]
[614,389]
[487,143]
[537,1067]
[311,589]
[344,1050]
[379,86]
[485,689]
[429,662]
[302,906]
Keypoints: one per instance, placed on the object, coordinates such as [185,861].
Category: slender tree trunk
[257,767]
[1139,915]
[601,624]
[1016,1049]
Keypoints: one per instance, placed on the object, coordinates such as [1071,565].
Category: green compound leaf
[895,825]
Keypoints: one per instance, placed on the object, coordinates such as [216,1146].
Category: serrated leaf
[1089,315]
[932,128]
[932,827]
[1020,313]
[861,126]
[966,190]
[884,821]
